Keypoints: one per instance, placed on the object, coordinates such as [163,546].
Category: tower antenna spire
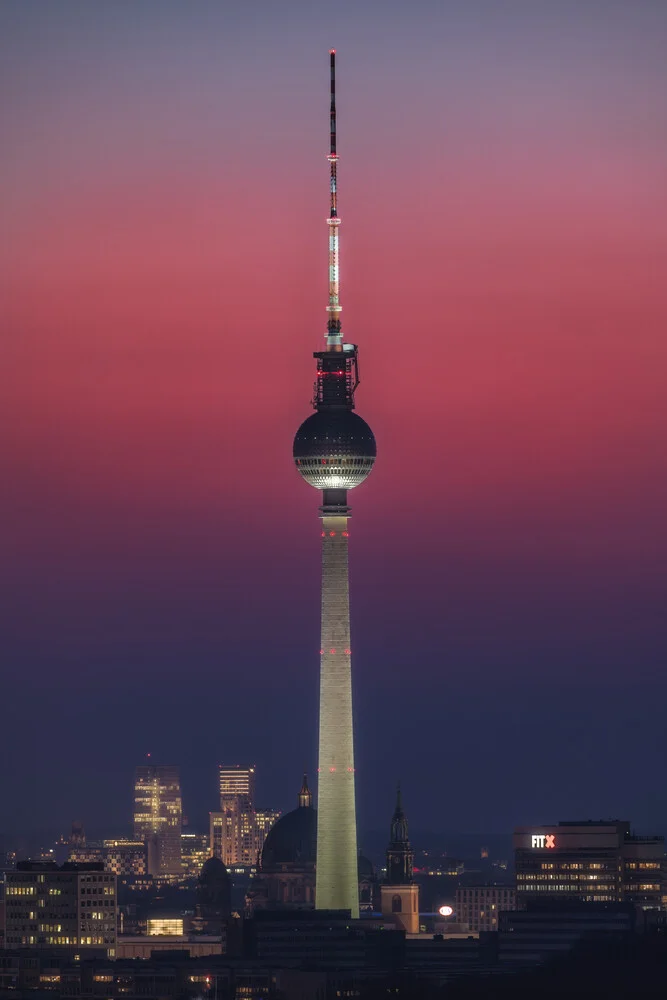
[334,335]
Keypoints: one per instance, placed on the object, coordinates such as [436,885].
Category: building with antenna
[158,815]
[334,450]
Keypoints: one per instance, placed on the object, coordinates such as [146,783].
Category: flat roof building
[547,929]
[233,828]
[72,906]
[594,861]
[479,906]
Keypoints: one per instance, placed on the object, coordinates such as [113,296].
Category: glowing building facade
[158,816]
[265,820]
[118,855]
[334,450]
[195,851]
[232,829]
[237,832]
[72,907]
[594,861]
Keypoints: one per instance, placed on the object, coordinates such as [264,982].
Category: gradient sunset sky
[503,191]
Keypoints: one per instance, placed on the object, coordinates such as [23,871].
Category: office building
[232,837]
[478,906]
[232,830]
[595,861]
[71,906]
[158,816]
[265,819]
[546,929]
[195,851]
[334,450]
[124,857]
[118,855]
[236,782]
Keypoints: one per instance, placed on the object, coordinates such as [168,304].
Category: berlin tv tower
[334,450]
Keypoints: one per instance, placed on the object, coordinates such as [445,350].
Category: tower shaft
[334,450]
[336,874]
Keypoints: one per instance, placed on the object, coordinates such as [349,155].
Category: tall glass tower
[334,450]
[158,816]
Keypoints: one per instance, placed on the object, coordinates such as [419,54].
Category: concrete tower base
[337,884]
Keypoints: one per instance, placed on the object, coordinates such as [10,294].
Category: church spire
[399,822]
[400,856]
[305,799]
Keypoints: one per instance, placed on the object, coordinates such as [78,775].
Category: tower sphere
[334,449]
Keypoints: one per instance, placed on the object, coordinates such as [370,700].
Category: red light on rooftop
[332,650]
[332,534]
[332,769]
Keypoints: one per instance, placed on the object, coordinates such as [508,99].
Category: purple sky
[162,287]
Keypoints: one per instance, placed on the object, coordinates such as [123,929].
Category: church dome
[214,888]
[213,870]
[292,840]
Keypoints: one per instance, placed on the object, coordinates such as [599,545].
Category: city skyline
[505,221]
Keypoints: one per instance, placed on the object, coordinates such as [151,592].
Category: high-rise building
[158,815]
[334,450]
[264,820]
[399,893]
[596,861]
[195,851]
[72,906]
[232,829]
[236,782]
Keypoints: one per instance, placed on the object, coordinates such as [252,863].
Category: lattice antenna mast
[334,335]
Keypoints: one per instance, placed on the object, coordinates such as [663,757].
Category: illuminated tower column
[337,881]
[334,451]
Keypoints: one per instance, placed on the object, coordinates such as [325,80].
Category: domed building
[286,879]
[213,897]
